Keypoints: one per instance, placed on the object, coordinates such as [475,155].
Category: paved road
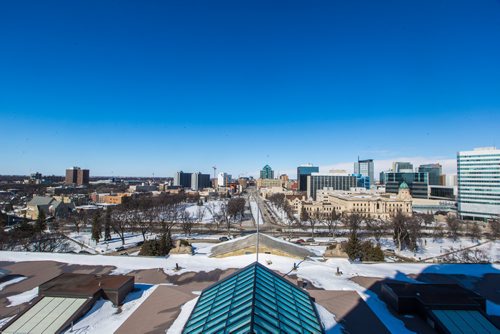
[268,218]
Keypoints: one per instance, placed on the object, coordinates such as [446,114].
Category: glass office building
[417,182]
[434,170]
[317,181]
[365,168]
[254,300]
[267,172]
[479,183]
[302,173]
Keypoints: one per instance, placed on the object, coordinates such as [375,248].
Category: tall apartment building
[77,176]
[200,181]
[365,168]
[479,183]
[302,172]
[223,179]
[435,171]
[417,182]
[267,172]
[182,179]
[317,181]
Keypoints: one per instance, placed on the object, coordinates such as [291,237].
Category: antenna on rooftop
[257,243]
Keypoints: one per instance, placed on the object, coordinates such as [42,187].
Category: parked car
[300,241]
[310,240]
[223,239]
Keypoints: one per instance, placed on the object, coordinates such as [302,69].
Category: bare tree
[438,232]
[494,225]
[200,213]
[314,220]
[453,227]
[475,232]
[332,219]
[80,220]
[187,222]
[401,233]
[377,227]
[120,222]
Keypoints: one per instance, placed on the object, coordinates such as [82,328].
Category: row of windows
[479,168]
[478,201]
[465,183]
[479,155]
[462,173]
[481,190]
[461,177]
[477,195]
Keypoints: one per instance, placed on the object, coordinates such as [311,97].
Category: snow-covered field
[102,247]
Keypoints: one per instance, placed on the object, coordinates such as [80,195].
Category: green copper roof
[404,185]
[254,300]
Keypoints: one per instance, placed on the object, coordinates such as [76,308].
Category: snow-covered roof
[265,241]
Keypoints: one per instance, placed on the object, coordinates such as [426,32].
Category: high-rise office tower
[365,168]
[479,183]
[267,172]
[302,172]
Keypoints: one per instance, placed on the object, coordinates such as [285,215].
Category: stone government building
[364,203]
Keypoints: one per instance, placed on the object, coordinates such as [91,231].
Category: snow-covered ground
[205,212]
[105,318]
[102,247]
[23,297]
[320,274]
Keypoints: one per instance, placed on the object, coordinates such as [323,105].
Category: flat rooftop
[70,284]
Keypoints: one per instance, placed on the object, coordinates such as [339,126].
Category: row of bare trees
[407,231]
[160,214]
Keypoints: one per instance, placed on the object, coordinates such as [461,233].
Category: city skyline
[135,90]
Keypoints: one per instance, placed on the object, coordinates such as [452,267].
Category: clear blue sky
[142,87]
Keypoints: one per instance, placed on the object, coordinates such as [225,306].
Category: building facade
[365,168]
[269,183]
[479,183]
[417,182]
[200,181]
[402,167]
[317,181]
[363,203]
[223,179]
[77,176]
[435,171]
[302,172]
[267,172]
[182,179]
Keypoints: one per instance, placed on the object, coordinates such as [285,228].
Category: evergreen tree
[3,220]
[353,247]
[96,227]
[40,223]
[107,225]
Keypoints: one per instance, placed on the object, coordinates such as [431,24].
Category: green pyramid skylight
[254,300]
